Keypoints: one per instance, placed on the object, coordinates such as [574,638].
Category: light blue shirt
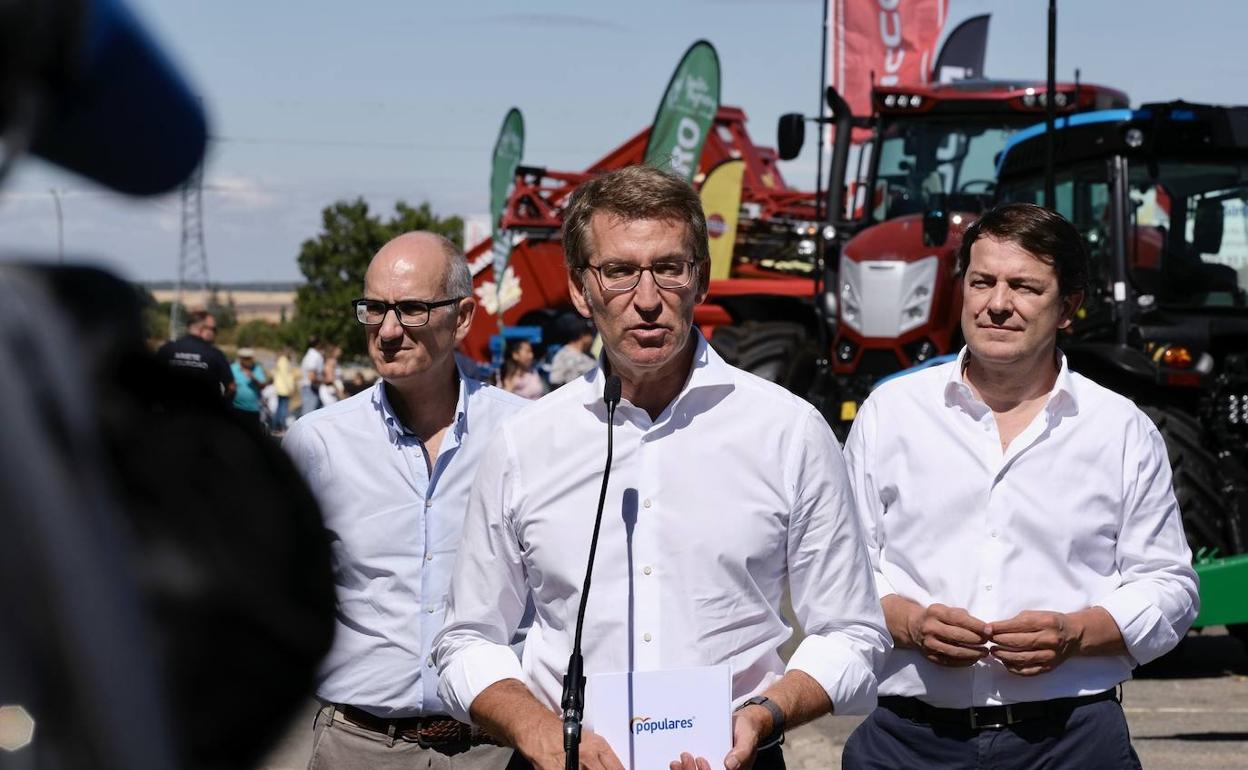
[394,529]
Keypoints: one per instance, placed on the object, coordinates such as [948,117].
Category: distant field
[250,304]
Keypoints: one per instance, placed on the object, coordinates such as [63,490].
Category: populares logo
[641,725]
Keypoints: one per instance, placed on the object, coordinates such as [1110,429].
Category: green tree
[335,260]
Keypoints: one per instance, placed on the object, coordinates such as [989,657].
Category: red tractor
[926,171]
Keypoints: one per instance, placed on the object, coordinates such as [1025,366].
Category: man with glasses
[724,489]
[197,361]
[392,467]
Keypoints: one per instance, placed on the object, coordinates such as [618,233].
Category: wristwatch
[777,720]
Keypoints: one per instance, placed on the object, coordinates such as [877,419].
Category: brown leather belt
[429,732]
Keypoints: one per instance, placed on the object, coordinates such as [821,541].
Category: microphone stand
[573,700]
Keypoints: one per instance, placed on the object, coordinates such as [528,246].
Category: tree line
[333,264]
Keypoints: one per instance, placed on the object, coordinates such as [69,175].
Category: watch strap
[777,720]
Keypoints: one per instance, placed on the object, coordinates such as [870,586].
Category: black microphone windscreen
[611,391]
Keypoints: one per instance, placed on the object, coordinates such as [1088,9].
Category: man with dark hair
[1025,536]
[196,360]
[690,567]
[392,467]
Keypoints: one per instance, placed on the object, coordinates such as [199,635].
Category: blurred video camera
[165,587]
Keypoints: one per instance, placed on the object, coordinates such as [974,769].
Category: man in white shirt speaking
[723,489]
[1026,540]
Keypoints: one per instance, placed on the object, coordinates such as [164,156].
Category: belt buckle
[1009,720]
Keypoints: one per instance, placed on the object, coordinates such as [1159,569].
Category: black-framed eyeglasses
[624,276]
[410,312]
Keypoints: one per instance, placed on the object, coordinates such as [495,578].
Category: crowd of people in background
[278,390]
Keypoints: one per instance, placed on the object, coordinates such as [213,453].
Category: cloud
[240,190]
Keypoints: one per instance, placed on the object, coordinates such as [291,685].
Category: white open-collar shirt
[736,489]
[1077,511]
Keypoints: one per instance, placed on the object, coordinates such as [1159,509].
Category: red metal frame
[535,208]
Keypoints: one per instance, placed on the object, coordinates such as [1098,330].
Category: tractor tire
[777,351]
[1196,483]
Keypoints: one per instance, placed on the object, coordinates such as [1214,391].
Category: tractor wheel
[1196,484]
[778,351]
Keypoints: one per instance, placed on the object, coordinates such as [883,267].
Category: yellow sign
[721,201]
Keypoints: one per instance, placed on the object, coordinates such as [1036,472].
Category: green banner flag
[686,113]
[507,152]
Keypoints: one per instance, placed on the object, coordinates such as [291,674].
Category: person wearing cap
[725,490]
[392,467]
[1025,536]
[249,380]
[573,359]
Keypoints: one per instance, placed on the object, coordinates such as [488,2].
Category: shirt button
[988,587]
[428,503]
[994,533]
[646,502]
[646,569]
[429,661]
[646,637]
[431,610]
[429,556]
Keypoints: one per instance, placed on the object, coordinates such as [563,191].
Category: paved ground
[1189,712]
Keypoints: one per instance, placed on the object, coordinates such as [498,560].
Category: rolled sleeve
[830,577]
[840,669]
[1159,596]
[487,600]
[468,670]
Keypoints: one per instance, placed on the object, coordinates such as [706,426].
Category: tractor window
[1189,232]
[927,164]
[1082,196]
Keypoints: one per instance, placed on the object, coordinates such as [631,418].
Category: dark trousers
[768,759]
[1093,736]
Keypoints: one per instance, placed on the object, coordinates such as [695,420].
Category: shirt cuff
[848,680]
[1142,624]
[470,671]
[882,586]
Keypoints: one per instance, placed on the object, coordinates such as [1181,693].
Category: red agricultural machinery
[767,269]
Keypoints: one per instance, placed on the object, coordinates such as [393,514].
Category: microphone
[573,700]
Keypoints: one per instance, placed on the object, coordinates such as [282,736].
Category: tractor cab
[1160,195]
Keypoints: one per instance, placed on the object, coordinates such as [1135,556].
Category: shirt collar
[1061,397]
[467,386]
[708,370]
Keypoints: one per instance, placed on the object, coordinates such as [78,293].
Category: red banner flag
[893,41]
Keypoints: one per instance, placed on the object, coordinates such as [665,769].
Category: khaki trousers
[339,745]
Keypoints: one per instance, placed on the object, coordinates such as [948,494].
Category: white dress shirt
[1077,512]
[394,528]
[734,488]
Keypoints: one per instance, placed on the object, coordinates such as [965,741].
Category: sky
[316,101]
